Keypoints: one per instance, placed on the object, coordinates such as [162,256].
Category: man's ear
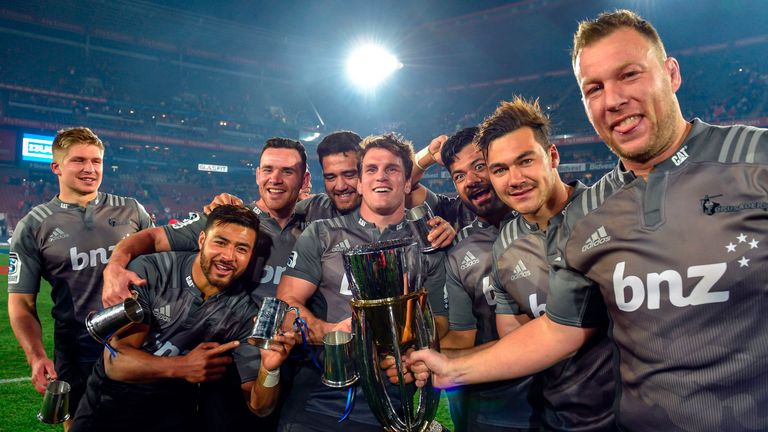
[56,168]
[554,156]
[201,240]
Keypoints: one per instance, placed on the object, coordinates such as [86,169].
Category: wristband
[421,154]
[271,379]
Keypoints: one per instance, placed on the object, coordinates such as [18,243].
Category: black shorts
[115,406]
[74,354]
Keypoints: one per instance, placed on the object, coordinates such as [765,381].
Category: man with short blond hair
[67,241]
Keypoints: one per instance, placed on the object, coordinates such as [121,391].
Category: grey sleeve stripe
[602,191]
[515,233]
[109,200]
[584,203]
[739,145]
[166,261]
[752,148]
[38,213]
[727,144]
[122,201]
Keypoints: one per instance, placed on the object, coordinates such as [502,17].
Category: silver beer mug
[269,322]
[417,218]
[55,408]
[390,314]
[339,359]
[104,324]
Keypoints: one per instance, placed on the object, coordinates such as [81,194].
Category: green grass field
[19,401]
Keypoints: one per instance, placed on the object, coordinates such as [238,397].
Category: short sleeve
[305,259]
[24,261]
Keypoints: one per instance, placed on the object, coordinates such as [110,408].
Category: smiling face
[280,177]
[629,95]
[523,174]
[80,172]
[225,252]
[383,183]
[341,177]
[471,178]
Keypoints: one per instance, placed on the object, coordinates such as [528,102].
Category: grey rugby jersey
[678,263]
[318,206]
[578,393]
[178,317]
[273,247]
[317,258]
[69,246]
[471,306]
[452,209]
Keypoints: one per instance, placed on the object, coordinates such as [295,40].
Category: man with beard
[683,287]
[280,176]
[505,405]
[67,242]
[316,272]
[456,211]
[196,310]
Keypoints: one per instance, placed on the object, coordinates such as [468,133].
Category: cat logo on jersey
[14,268]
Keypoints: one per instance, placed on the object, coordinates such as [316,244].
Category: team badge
[14,268]
[190,220]
[292,259]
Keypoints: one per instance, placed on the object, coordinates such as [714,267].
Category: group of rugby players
[626,305]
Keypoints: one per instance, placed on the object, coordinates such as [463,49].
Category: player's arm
[117,278]
[262,393]
[207,362]
[296,292]
[424,159]
[22,311]
[507,323]
[532,348]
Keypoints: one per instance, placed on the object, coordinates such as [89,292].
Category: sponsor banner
[212,168]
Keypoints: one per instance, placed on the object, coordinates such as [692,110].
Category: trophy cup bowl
[390,315]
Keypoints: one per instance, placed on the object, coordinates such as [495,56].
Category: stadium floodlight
[369,65]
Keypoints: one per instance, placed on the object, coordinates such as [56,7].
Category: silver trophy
[391,315]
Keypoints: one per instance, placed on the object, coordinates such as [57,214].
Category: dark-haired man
[507,405]
[683,285]
[339,154]
[67,241]
[280,176]
[316,273]
[196,310]
[577,393]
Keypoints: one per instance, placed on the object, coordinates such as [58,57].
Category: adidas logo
[163,313]
[342,246]
[521,271]
[468,261]
[57,234]
[597,238]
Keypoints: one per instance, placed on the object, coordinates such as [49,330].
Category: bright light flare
[369,65]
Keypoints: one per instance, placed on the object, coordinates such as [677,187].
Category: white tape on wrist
[272,378]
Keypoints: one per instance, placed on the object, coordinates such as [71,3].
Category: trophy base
[436,427]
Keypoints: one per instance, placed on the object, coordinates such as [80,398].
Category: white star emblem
[753,244]
[742,238]
[731,247]
[744,262]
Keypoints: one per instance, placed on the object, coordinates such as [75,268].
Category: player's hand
[222,199]
[345,326]
[117,283]
[279,347]
[427,361]
[441,233]
[207,362]
[43,372]
[436,146]
[389,364]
